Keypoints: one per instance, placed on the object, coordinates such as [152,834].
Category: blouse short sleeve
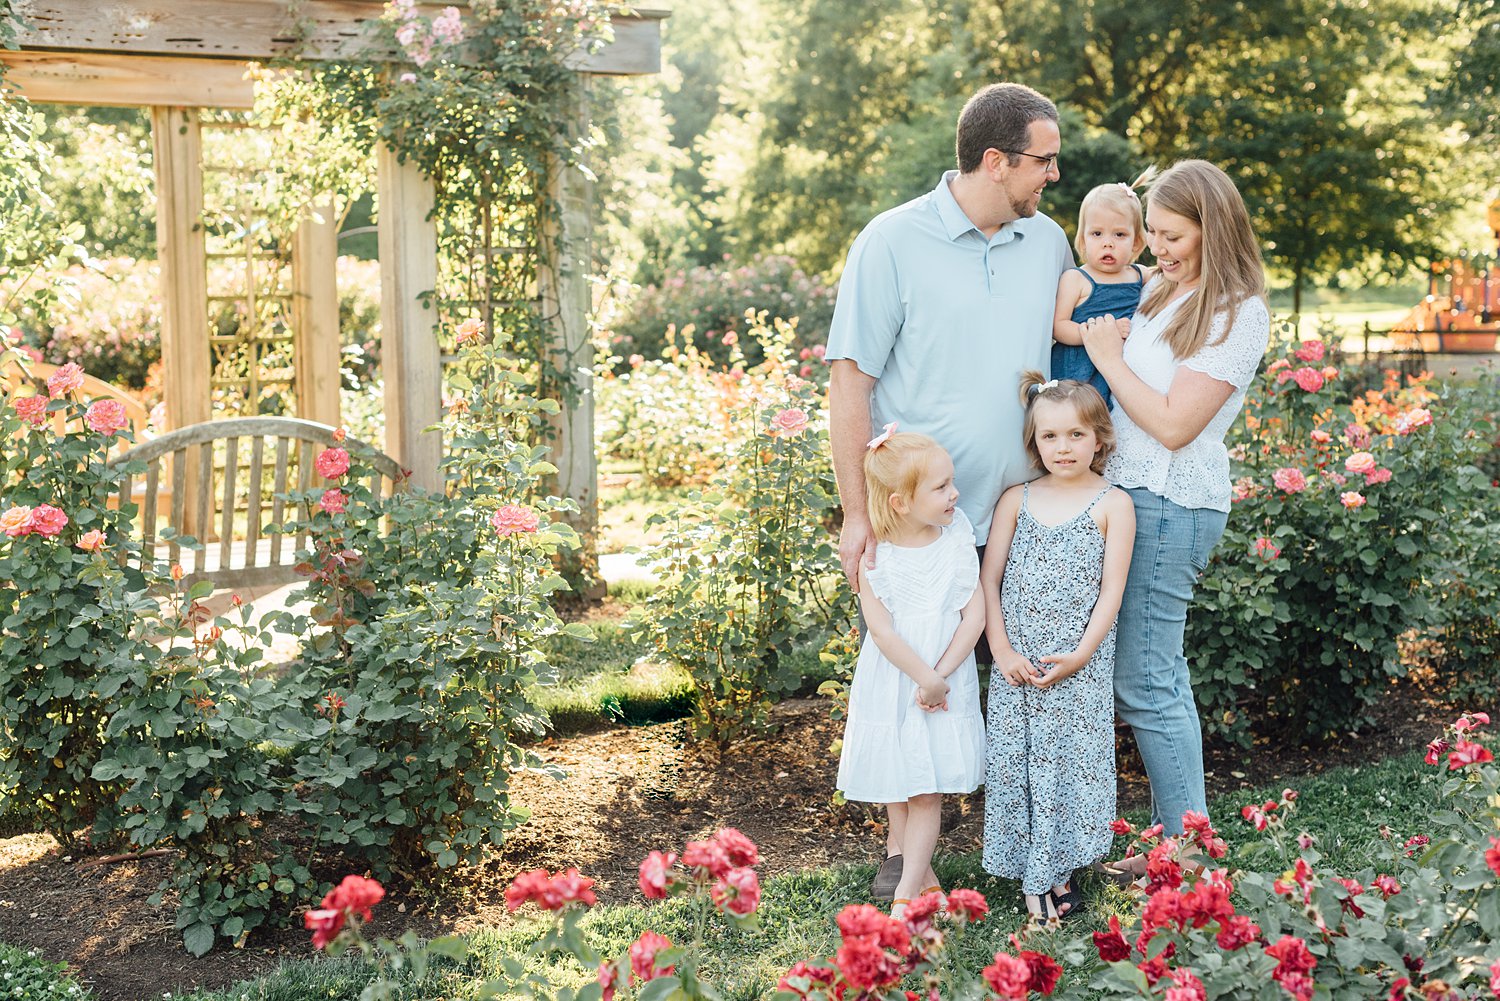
[1236,358]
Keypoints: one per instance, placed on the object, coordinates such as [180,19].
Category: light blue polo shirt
[946,321]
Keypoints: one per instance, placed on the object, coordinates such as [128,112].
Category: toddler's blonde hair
[1122,198]
[1085,399]
[895,467]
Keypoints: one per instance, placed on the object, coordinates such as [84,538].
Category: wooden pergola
[178,56]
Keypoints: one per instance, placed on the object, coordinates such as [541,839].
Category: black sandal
[1072,900]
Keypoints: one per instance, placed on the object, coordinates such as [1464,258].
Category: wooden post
[409,347]
[177,147]
[315,315]
[567,303]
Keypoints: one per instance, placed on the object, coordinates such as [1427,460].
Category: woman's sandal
[1041,909]
[1072,900]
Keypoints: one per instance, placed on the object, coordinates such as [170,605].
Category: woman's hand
[1104,338]
[1062,667]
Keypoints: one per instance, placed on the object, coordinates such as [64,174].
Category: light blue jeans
[1152,690]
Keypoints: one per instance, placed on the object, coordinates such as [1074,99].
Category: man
[944,301]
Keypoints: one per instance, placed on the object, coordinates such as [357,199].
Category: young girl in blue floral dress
[1054,573]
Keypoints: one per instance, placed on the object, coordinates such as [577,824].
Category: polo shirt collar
[956,222]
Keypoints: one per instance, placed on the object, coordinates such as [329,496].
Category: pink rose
[1290,479]
[1352,499]
[707,855]
[448,26]
[643,957]
[31,408]
[1380,475]
[656,874]
[1310,351]
[1266,549]
[1357,436]
[469,330]
[731,338]
[789,423]
[16,521]
[513,518]
[1185,987]
[1417,417]
[48,520]
[1310,379]
[1360,462]
[609,980]
[819,350]
[92,541]
[1387,885]
[1495,978]
[1329,372]
[1321,437]
[107,417]
[1464,753]
[737,893]
[65,380]
[332,463]
[412,78]
[1338,479]
[332,501]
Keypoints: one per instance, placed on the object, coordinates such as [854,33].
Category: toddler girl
[914,730]
[1111,235]
[1054,572]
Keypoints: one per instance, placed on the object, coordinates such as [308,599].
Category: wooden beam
[99,78]
[567,302]
[315,316]
[266,29]
[178,158]
[409,349]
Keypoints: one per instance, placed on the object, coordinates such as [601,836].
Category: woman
[1179,381]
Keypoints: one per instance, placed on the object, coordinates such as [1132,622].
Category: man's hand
[856,545]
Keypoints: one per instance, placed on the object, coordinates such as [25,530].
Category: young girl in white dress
[915,730]
[1054,573]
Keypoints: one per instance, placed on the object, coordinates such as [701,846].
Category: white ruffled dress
[893,750]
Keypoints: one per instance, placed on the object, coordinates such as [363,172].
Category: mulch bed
[627,791]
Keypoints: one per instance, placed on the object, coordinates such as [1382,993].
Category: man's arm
[849,431]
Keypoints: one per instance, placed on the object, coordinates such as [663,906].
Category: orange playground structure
[1461,314]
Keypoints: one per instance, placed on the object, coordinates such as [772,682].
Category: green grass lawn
[1343,808]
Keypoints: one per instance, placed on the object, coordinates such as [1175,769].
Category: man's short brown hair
[999,117]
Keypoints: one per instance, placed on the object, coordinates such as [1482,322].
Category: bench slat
[253,498]
[179,502]
[226,516]
[278,488]
[205,499]
[148,507]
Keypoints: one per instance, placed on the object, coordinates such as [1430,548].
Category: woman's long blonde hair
[1230,269]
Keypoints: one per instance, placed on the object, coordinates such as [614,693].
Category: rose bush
[1344,509]
[748,568]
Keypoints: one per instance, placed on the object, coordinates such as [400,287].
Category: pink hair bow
[883,437]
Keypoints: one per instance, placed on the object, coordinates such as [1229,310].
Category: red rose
[1111,944]
[1492,855]
[569,887]
[355,894]
[1044,972]
[1237,932]
[332,463]
[865,965]
[1008,976]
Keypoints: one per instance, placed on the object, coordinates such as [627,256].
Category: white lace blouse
[1197,474]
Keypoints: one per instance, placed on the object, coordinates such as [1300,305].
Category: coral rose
[16,521]
[48,520]
[1266,549]
[1360,462]
[1185,987]
[643,956]
[609,980]
[1290,478]
[469,330]
[1357,436]
[1380,475]
[656,874]
[32,409]
[1320,436]
[107,417]
[1310,379]
[967,905]
[740,850]
[65,380]
[789,423]
[355,894]
[332,501]
[1352,499]
[1464,753]
[1417,417]
[738,893]
[708,856]
[510,519]
[1310,351]
[332,463]
[325,924]
[92,541]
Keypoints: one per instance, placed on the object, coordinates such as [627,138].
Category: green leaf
[198,938]
[660,989]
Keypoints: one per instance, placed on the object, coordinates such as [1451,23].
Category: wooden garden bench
[38,372]
[227,512]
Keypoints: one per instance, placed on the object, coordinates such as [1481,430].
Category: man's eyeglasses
[1050,161]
